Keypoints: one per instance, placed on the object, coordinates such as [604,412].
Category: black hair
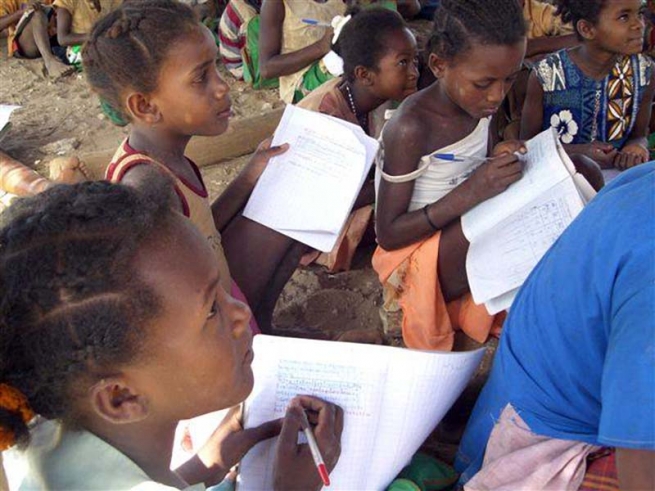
[72,308]
[572,11]
[127,47]
[362,40]
[458,23]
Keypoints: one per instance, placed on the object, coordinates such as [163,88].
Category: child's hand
[630,155]
[601,153]
[509,147]
[495,176]
[294,468]
[260,159]
[230,442]
[326,41]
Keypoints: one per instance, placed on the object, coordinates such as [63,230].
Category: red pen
[313,448]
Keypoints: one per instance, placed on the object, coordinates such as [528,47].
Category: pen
[451,157]
[314,22]
[313,448]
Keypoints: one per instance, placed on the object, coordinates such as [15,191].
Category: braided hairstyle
[362,39]
[458,23]
[72,309]
[127,47]
[573,11]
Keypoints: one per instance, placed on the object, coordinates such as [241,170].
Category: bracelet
[427,217]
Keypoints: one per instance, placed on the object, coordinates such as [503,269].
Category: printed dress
[583,109]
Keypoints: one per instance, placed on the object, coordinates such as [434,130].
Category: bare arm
[396,227]
[640,131]
[273,64]
[65,36]
[550,44]
[11,19]
[141,177]
[533,109]
[636,469]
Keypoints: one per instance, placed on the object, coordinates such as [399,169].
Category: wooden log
[241,138]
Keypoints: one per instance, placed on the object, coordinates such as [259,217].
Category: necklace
[361,118]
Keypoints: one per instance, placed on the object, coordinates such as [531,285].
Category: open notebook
[510,232]
[308,192]
[392,400]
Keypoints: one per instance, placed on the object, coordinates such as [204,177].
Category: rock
[61,147]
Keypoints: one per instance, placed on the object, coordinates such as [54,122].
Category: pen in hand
[313,448]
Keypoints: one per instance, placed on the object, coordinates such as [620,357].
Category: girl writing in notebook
[476,51]
[115,326]
[597,95]
[379,55]
[156,64]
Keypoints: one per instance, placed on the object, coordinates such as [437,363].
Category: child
[476,51]
[291,49]
[379,54]
[32,28]
[75,18]
[238,32]
[106,294]
[596,95]
[155,63]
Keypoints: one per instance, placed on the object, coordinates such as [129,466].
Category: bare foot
[68,170]
[56,69]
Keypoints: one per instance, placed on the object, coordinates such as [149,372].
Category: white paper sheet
[500,259]
[501,302]
[542,170]
[5,113]
[307,193]
[392,399]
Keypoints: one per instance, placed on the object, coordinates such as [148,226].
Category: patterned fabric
[583,109]
[232,33]
[601,472]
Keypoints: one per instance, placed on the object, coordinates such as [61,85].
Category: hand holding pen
[295,467]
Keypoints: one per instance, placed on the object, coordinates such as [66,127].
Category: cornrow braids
[71,307]
[457,23]
[572,11]
[127,47]
[362,40]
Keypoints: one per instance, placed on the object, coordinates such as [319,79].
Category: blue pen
[314,22]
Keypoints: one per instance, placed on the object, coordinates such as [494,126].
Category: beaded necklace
[361,118]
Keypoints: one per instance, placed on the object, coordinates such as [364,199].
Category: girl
[379,54]
[156,64]
[476,51]
[106,293]
[291,49]
[597,95]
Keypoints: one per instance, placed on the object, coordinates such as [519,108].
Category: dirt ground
[64,118]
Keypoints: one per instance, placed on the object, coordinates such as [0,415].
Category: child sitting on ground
[75,18]
[379,54]
[597,95]
[32,31]
[476,51]
[105,295]
[291,49]
[156,64]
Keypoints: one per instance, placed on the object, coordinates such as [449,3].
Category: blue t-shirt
[577,354]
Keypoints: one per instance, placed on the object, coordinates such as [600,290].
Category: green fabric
[113,115]
[426,474]
[313,78]
[651,145]
[251,59]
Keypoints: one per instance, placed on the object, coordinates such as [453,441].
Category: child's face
[191,96]
[198,354]
[620,27]
[478,79]
[397,72]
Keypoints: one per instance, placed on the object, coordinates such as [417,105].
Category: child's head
[616,26]
[379,51]
[105,293]
[476,51]
[154,63]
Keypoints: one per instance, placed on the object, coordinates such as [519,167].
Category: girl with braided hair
[476,51]
[155,64]
[598,94]
[105,293]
